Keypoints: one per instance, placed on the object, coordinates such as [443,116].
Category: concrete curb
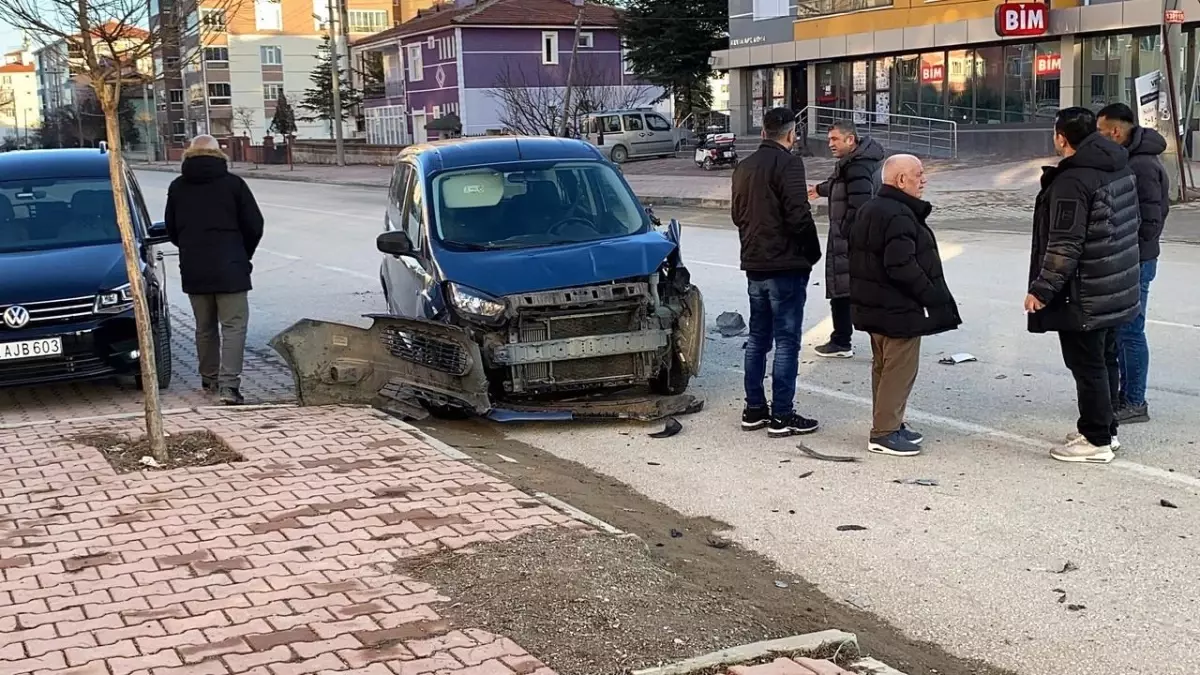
[809,642]
[870,666]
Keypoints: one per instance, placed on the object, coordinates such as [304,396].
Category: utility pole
[336,73]
[344,18]
[1169,86]
[571,69]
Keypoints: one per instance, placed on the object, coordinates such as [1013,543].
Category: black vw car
[66,307]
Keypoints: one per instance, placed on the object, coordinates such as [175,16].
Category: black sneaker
[1133,414]
[232,396]
[830,350]
[792,425]
[910,435]
[894,444]
[754,419]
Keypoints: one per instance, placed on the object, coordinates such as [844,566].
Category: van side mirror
[395,242]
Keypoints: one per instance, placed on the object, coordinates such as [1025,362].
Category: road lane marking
[323,212]
[327,268]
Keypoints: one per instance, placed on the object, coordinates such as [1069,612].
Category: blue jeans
[1133,353]
[776,316]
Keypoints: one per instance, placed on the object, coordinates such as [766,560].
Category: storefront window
[834,85]
[1047,77]
[1108,70]
[960,65]
[989,85]
[883,89]
[1018,83]
[933,85]
[906,85]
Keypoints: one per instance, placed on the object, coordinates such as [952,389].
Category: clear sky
[9,39]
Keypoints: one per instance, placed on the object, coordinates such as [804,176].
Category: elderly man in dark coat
[854,181]
[898,294]
[1083,272]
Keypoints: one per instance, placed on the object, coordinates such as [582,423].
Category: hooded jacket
[214,220]
[897,287]
[771,211]
[1085,261]
[1145,148]
[851,185]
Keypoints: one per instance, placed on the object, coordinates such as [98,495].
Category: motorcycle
[716,150]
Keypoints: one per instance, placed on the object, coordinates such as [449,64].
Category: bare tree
[532,102]
[107,39]
[245,117]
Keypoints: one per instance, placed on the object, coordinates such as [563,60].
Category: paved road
[970,564]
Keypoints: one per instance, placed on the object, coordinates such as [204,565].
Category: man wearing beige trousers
[898,295]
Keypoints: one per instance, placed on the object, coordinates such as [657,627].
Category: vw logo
[16,316]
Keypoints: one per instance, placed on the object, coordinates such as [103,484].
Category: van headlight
[475,304]
[115,301]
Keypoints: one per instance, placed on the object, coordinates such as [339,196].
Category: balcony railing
[815,8]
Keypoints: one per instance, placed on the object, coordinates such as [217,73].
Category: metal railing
[921,136]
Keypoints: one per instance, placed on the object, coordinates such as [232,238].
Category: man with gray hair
[854,181]
[898,295]
[779,247]
[213,218]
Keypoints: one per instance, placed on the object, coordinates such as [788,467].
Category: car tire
[162,355]
[708,164]
[671,381]
[619,154]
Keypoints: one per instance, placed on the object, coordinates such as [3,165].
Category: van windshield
[56,213]
[543,204]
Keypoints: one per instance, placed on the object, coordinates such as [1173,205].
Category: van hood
[57,274]
[527,270]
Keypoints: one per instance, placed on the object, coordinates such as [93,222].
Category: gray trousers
[221,322]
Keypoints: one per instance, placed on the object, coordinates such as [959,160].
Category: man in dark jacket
[898,294]
[213,219]
[1084,272]
[854,181]
[1145,146]
[779,247]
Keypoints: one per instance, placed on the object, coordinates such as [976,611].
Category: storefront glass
[1108,70]
[988,85]
[906,85]
[933,85]
[960,64]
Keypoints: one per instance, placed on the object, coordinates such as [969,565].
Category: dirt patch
[744,581]
[586,602]
[191,448]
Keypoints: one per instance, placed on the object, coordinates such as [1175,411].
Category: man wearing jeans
[1145,146]
[214,220]
[779,247]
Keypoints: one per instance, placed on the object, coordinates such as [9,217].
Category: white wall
[482,111]
[246,81]
[26,104]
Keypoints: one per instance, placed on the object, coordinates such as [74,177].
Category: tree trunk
[141,309]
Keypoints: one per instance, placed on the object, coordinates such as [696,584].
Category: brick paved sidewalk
[280,565]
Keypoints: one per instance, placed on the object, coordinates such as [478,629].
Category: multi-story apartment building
[20,110]
[471,58]
[239,58]
[999,70]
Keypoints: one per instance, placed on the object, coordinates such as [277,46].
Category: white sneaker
[1081,450]
[1076,437]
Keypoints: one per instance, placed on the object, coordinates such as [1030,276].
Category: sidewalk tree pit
[185,449]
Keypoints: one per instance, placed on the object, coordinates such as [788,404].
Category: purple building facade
[489,75]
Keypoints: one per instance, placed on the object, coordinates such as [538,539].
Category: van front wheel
[620,155]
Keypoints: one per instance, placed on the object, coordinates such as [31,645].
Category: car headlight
[114,301]
[475,303]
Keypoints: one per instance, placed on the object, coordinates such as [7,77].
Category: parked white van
[633,134]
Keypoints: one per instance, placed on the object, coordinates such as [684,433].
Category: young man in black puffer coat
[854,181]
[1084,272]
[898,294]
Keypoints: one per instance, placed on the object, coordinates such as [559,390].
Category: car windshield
[534,205]
[53,213]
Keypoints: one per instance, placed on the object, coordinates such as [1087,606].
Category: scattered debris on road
[1062,597]
[671,428]
[506,458]
[850,528]
[955,359]
[187,449]
[1076,608]
[676,534]
[716,541]
[731,324]
[927,482]
[823,457]
[1167,504]
[781,584]
[806,474]
[1067,568]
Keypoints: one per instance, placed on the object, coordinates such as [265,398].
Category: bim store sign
[1022,19]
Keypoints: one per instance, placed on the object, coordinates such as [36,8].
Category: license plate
[727,154]
[31,349]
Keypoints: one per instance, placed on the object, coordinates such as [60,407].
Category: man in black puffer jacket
[779,247]
[1084,272]
[1145,148]
[854,181]
[213,219]
[898,294]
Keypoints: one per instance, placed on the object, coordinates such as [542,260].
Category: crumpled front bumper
[397,362]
